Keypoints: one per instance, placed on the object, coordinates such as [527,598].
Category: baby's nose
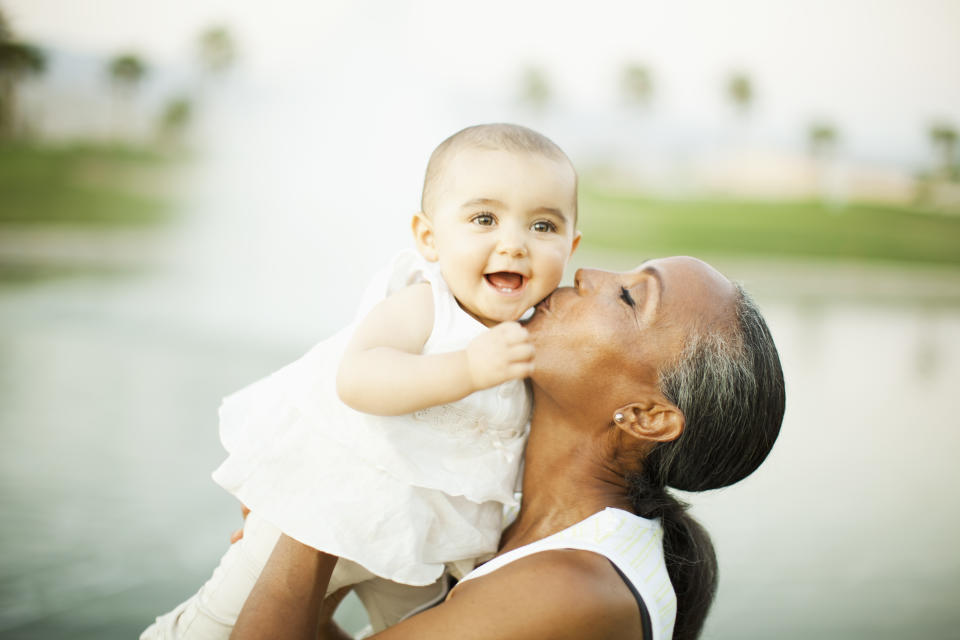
[513,243]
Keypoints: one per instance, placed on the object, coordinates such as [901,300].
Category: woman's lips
[536,311]
[547,303]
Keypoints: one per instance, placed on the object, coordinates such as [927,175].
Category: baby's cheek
[553,271]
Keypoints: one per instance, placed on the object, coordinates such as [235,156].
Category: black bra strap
[644,614]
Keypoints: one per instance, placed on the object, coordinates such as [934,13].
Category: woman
[662,376]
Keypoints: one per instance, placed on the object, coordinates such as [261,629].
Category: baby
[395,444]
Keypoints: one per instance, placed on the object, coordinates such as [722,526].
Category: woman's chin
[533,318]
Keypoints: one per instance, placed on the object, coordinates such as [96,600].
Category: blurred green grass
[93,186]
[83,184]
[625,221]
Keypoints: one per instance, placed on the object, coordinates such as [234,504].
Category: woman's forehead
[687,265]
[691,286]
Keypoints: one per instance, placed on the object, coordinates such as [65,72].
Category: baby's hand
[503,353]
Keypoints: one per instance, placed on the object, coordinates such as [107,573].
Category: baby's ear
[423,236]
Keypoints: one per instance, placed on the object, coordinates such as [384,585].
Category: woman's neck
[565,479]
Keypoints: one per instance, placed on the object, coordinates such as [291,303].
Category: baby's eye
[544,226]
[483,219]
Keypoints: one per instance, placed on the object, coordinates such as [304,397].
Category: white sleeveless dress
[402,495]
[633,544]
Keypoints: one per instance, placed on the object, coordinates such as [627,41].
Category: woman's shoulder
[558,593]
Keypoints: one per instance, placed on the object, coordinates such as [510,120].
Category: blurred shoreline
[812,279]
[194,193]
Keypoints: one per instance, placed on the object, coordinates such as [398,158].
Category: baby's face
[502,228]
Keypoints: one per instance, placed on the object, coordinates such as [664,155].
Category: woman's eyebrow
[651,303]
[652,270]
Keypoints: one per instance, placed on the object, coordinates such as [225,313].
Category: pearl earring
[619,417]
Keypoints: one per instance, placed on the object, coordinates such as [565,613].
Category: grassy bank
[88,185]
[97,186]
[786,229]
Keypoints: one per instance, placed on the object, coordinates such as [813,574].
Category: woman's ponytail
[688,553]
[729,387]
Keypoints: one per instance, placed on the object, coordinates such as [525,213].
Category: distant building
[767,173]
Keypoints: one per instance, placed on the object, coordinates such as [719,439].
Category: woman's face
[614,332]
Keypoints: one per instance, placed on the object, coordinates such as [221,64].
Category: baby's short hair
[499,135]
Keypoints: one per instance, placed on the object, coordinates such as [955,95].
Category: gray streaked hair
[729,386]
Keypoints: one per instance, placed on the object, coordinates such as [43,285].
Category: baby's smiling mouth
[506,281]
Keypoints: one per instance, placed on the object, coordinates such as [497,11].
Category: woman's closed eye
[626,297]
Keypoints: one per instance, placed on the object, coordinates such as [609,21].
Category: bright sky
[321,136]
[881,69]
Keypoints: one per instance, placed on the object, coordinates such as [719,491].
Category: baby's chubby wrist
[472,361]
[503,353]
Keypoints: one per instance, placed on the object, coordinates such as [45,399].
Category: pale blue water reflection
[108,396]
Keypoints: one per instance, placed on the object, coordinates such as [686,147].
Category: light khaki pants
[211,612]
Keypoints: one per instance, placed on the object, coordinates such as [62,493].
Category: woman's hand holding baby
[503,353]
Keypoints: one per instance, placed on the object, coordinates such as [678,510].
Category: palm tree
[127,71]
[5,32]
[636,90]
[636,84]
[535,89]
[822,139]
[174,120]
[740,92]
[218,51]
[943,136]
[18,61]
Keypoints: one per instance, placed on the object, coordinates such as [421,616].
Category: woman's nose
[588,279]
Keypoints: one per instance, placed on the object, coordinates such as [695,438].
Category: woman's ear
[657,420]
[423,236]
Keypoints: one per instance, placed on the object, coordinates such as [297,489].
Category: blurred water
[109,388]
[847,530]
[108,393]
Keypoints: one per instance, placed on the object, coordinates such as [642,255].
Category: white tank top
[633,544]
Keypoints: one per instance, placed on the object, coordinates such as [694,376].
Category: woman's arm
[285,602]
[562,595]
[383,371]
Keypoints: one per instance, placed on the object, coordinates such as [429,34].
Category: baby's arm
[383,371]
